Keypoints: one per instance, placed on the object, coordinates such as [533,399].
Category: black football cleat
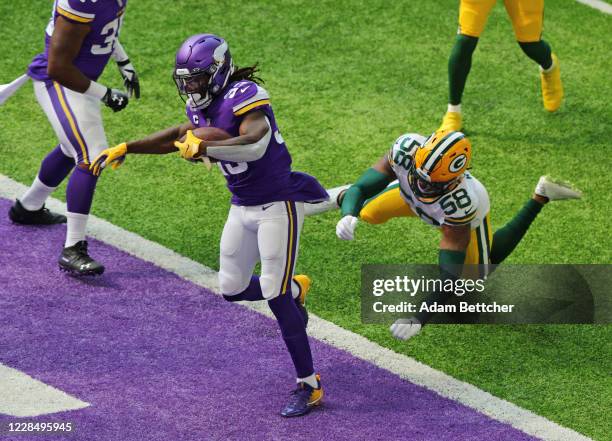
[20,215]
[76,261]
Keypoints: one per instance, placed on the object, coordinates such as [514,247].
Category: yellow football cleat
[552,88]
[304,283]
[451,122]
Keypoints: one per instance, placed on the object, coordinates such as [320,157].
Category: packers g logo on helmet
[458,163]
[439,163]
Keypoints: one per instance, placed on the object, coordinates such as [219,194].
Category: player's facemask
[422,187]
[196,86]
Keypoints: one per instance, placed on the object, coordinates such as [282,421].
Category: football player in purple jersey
[267,211]
[80,39]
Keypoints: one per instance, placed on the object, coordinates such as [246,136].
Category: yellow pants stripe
[290,240]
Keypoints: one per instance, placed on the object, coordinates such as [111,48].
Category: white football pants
[75,118]
[269,233]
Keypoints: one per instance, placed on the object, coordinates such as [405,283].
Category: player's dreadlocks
[246,73]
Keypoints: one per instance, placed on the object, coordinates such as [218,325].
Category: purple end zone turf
[160,358]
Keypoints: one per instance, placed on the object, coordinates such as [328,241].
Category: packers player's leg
[508,237]
[385,206]
[478,251]
[377,210]
[473,16]
[527,18]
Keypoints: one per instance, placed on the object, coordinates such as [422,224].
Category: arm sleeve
[244,152]
[369,184]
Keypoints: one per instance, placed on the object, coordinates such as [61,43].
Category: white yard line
[24,396]
[598,4]
[406,367]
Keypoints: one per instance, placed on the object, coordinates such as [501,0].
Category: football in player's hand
[208,134]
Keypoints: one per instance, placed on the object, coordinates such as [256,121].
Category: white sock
[295,289]
[77,223]
[37,194]
[454,108]
[311,380]
[552,66]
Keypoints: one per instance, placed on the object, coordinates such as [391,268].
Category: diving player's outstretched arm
[372,182]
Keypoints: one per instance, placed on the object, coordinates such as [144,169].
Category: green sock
[539,52]
[508,237]
[459,64]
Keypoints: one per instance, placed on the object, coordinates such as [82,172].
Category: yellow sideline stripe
[72,16]
[60,95]
[251,106]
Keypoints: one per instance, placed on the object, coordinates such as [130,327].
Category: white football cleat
[405,329]
[556,190]
[331,204]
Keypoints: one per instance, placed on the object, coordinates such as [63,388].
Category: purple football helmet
[203,67]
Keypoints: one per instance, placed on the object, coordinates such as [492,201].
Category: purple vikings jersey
[103,16]
[269,178]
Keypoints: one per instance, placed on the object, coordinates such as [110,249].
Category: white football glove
[345,228]
[404,329]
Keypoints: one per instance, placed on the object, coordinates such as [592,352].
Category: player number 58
[452,202]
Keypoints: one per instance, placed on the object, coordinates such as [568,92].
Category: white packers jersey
[466,204]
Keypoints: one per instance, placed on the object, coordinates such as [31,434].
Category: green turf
[346,78]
